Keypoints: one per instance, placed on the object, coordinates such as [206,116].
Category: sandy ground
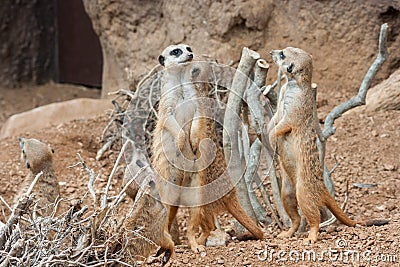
[365,146]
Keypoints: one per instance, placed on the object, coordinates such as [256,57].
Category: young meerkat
[217,191]
[38,157]
[144,227]
[296,136]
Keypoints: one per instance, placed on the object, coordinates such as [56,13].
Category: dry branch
[92,178]
[104,199]
[18,210]
[253,153]
[231,124]
[356,101]
[359,99]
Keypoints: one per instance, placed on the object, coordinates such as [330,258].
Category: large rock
[54,114]
[386,95]
[342,36]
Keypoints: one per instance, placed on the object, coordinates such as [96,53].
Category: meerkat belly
[186,106]
[288,155]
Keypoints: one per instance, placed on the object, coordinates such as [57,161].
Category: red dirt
[366,148]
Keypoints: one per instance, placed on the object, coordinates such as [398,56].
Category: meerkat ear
[195,72]
[290,68]
[161,59]
[152,184]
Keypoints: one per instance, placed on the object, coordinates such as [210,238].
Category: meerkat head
[174,55]
[37,155]
[294,63]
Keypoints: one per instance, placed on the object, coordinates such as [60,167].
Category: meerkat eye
[281,55]
[290,68]
[176,52]
[189,49]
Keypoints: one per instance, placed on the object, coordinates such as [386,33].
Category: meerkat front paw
[180,140]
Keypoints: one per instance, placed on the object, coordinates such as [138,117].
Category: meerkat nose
[270,52]
[190,55]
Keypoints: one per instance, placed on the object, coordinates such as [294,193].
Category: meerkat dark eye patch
[176,52]
[152,184]
[52,151]
[290,68]
[189,49]
[28,165]
[161,60]
[281,55]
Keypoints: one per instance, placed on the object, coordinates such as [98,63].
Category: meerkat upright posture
[177,107]
[38,157]
[214,179]
[296,136]
[144,227]
[184,122]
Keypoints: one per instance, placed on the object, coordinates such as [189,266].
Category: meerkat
[296,136]
[144,229]
[38,157]
[183,125]
[171,147]
[214,179]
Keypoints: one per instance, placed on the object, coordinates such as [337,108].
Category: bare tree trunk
[253,153]
[231,124]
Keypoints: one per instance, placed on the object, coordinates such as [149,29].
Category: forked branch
[359,99]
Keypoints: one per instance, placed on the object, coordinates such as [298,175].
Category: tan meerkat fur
[180,129]
[296,136]
[144,228]
[216,175]
[38,157]
[171,137]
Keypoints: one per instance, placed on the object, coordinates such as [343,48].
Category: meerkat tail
[331,204]
[374,222]
[342,217]
[239,214]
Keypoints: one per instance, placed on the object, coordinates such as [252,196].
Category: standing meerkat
[172,155]
[184,124]
[38,157]
[296,136]
[217,191]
